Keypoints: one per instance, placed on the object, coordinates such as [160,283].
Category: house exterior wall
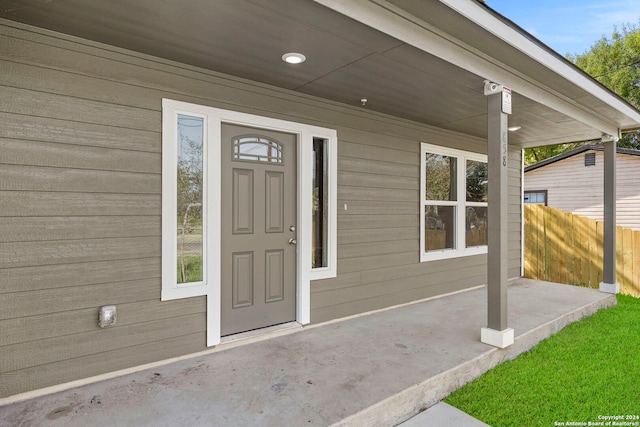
[80,207]
[576,188]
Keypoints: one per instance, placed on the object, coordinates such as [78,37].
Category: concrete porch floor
[374,370]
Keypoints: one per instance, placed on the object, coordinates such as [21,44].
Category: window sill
[449,254]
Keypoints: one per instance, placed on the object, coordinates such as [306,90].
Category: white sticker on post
[506,100]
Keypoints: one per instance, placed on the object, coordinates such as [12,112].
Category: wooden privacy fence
[566,248]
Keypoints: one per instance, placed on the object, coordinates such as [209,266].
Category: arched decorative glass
[255,148]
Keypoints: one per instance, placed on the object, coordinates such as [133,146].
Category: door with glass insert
[258,262]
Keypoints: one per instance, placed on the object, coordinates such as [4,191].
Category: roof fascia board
[405,27]
[476,13]
[559,157]
[576,151]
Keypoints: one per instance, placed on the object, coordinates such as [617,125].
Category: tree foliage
[615,62]
[190,180]
[538,154]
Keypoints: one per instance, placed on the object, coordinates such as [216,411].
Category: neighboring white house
[572,182]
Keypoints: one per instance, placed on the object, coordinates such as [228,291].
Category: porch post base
[500,339]
[610,288]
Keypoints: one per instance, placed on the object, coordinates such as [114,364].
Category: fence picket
[627,258]
[540,238]
[529,243]
[619,256]
[593,253]
[566,248]
[600,242]
[635,282]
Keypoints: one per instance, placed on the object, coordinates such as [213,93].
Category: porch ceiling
[346,60]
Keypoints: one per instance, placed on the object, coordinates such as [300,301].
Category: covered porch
[87,82]
[378,369]
[446,64]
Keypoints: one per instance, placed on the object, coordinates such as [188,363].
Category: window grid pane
[476,226]
[477,179]
[440,177]
[439,227]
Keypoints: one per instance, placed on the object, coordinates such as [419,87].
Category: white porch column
[497,332]
[608,283]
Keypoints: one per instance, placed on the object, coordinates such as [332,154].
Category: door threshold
[262,333]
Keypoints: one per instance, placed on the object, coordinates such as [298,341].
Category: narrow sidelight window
[319,204]
[190,232]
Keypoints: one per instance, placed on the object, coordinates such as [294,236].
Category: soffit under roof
[346,60]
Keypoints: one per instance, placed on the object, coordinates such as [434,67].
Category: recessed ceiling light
[294,58]
[514,128]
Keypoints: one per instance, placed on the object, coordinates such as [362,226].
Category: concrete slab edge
[417,398]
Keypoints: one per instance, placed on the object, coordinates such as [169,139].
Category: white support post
[497,332]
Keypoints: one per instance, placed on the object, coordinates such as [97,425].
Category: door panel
[258,262]
[274,275]
[242,201]
[242,279]
[274,198]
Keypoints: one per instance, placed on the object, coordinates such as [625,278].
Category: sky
[569,26]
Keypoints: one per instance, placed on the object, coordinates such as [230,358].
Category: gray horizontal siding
[69,275]
[80,321]
[29,127]
[38,178]
[67,369]
[31,229]
[42,203]
[54,252]
[36,153]
[80,205]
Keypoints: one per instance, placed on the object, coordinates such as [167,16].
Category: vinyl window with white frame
[453,200]
[189,223]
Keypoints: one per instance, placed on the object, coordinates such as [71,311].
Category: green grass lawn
[192,267]
[589,369]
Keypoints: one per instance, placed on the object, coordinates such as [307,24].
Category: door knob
[293,241]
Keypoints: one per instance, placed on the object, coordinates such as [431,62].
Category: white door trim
[304,272]
[305,135]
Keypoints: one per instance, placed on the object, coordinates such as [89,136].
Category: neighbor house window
[536,197]
[453,190]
